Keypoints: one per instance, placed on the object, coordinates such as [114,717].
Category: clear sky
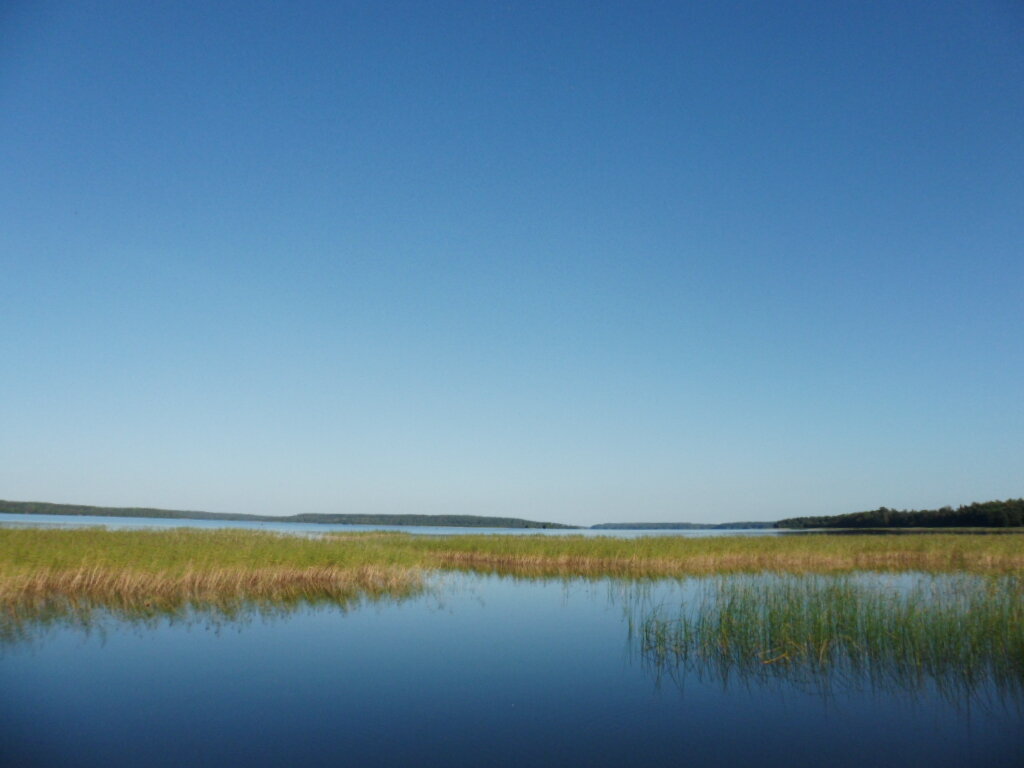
[580,262]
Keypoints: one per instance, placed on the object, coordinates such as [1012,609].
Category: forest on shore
[984,514]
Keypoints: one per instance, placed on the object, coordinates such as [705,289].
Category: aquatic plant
[85,597]
[672,556]
[960,633]
[178,550]
[49,576]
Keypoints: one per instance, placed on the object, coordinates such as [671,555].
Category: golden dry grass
[275,583]
[669,557]
[189,566]
[75,595]
[151,571]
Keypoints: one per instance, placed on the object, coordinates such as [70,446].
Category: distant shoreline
[444,521]
[991,515]
[460,521]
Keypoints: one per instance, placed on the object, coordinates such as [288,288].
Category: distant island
[985,514]
[461,521]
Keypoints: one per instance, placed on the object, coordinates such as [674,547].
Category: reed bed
[789,608]
[960,633]
[553,566]
[147,571]
[143,589]
[673,556]
[174,552]
[71,575]
[32,602]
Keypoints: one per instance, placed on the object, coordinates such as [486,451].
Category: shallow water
[476,671]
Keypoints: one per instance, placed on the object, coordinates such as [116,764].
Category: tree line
[983,514]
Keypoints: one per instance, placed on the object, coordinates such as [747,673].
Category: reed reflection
[960,635]
[90,599]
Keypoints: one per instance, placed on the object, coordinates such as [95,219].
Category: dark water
[477,671]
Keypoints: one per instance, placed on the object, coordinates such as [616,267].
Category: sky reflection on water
[72,521]
[481,670]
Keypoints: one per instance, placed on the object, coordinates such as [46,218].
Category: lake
[7,518]
[476,670]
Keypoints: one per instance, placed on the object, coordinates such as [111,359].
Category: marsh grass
[161,590]
[52,576]
[85,597]
[958,633]
[144,569]
[943,611]
[174,552]
[675,556]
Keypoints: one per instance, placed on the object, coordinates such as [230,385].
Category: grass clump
[959,632]
[73,573]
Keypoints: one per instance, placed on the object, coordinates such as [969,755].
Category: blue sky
[580,262]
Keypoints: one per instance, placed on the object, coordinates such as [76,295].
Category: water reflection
[957,636]
[30,618]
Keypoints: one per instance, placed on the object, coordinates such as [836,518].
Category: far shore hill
[989,514]
[460,521]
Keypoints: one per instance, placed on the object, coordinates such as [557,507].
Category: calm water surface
[479,670]
[7,518]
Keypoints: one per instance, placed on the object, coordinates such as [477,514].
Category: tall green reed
[957,632]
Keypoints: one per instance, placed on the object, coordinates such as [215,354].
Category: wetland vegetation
[749,629]
[793,598]
[193,562]
[959,633]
